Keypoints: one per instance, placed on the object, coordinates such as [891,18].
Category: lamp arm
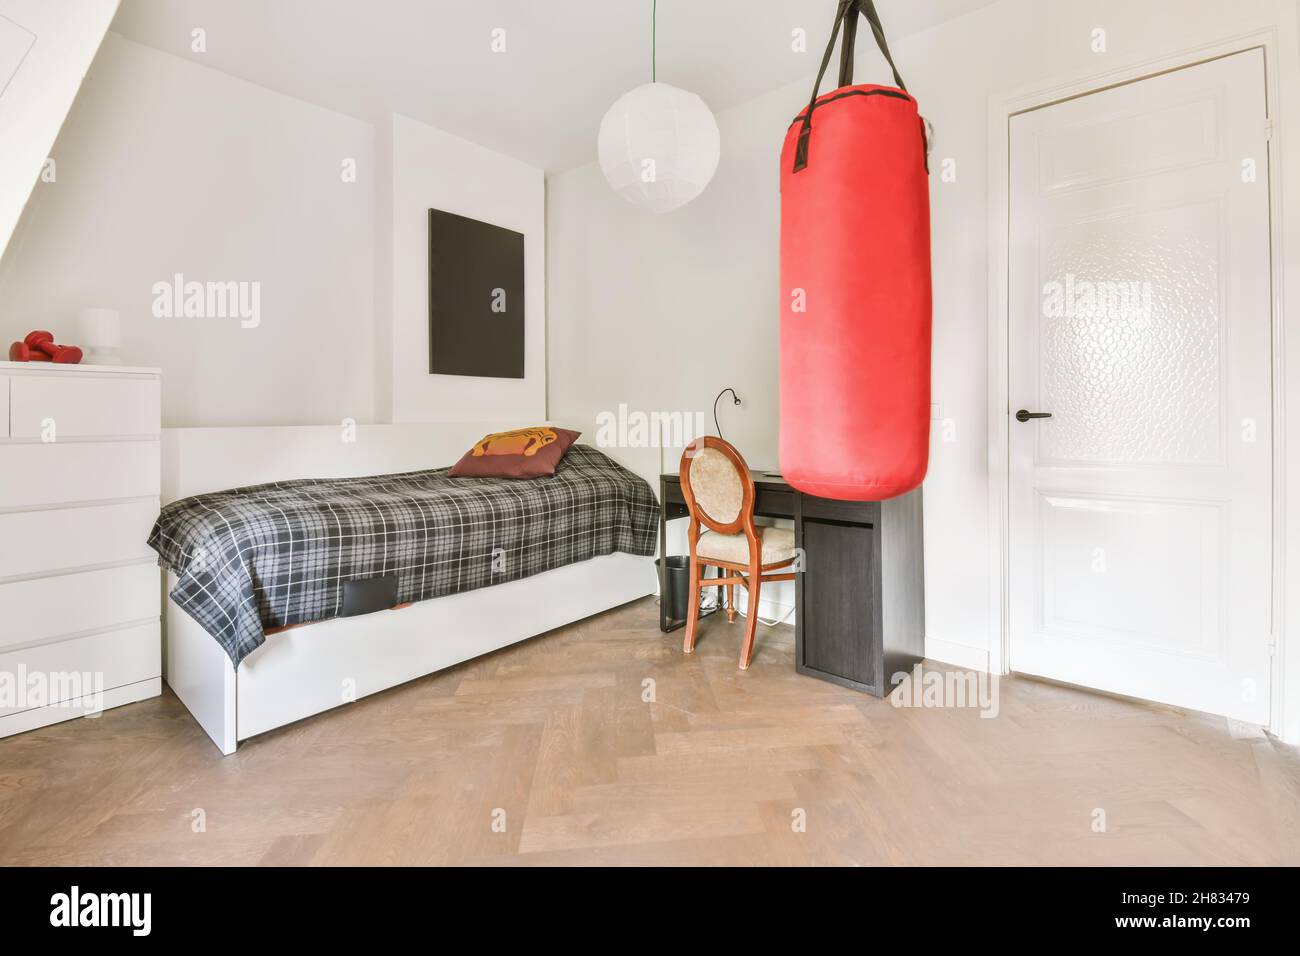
[736,401]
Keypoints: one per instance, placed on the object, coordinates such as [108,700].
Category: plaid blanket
[271,555]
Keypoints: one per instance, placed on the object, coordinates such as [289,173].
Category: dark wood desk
[860,600]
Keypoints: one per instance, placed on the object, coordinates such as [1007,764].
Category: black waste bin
[675,585]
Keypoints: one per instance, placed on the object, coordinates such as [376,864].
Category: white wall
[662,312]
[166,166]
[45,49]
[431,169]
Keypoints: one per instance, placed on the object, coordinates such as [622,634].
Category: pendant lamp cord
[654,29]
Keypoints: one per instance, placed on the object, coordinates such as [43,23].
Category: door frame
[1284,697]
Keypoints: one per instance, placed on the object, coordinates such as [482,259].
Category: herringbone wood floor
[552,741]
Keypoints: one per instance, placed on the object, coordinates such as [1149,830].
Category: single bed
[470,564]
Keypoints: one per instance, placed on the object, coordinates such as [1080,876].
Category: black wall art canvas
[476,298]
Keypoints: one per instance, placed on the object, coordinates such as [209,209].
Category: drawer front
[47,608]
[80,667]
[856,512]
[83,407]
[774,504]
[4,406]
[39,542]
[62,472]
[672,492]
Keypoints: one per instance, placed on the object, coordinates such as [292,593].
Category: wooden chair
[719,492]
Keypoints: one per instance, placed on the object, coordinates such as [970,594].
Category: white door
[1140,320]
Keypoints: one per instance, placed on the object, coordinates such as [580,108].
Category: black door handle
[1024,415]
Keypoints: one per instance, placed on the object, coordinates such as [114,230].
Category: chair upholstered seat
[778,546]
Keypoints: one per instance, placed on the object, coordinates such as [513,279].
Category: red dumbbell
[39,346]
[43,347]
[22,352]
[61,354]
[29,349]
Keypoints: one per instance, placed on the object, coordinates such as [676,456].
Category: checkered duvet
[267,556]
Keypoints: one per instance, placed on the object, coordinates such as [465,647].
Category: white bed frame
[307,670]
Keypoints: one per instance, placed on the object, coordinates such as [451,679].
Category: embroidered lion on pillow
[524,441]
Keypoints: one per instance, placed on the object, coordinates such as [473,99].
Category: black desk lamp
[735,401]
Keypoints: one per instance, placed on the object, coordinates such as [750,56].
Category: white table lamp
[101,334]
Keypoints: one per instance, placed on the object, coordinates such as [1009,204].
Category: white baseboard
[959,655]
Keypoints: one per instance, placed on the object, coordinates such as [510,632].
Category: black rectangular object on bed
[476,298]
[368,596]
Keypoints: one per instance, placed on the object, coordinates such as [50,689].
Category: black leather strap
[847,9]
[805,131]
[868,9]
[847,44]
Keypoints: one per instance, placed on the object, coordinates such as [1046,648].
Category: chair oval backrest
[717,485]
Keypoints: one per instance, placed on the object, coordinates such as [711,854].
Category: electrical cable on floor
[762,620]
[711,603]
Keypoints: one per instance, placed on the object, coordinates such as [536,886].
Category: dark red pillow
[523,453]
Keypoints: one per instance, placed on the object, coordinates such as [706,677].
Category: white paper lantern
[658,146]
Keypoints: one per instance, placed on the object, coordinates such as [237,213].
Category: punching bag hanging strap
[805,131]
[868,9]
[849,9]
[846,45]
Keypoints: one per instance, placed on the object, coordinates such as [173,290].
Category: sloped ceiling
[542,99]
[45,50]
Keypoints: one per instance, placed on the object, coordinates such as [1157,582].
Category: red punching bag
[855,276]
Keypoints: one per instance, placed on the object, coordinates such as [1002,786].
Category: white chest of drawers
[79,587]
